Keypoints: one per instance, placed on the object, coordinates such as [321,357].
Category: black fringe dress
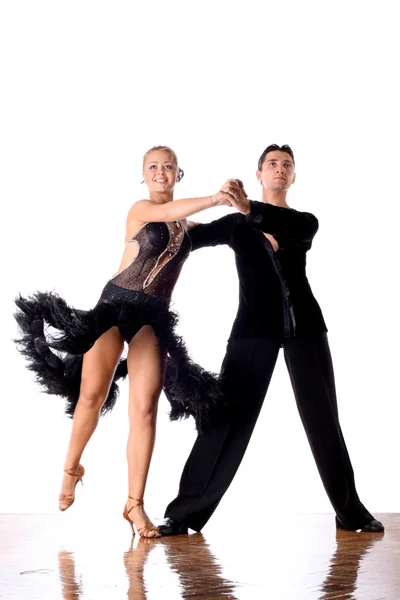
[138,295]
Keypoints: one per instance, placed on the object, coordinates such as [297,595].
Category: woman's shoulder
[134,205]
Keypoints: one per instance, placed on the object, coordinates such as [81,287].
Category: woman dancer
[133,307]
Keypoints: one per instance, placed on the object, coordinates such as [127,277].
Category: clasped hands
[233,194]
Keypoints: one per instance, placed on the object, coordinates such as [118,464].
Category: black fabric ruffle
[56,359]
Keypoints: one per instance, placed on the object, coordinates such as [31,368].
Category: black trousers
[218,452]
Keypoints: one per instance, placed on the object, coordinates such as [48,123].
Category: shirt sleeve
[293,227]
[212,234]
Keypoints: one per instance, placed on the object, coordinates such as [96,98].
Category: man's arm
[212,234]
[296,227]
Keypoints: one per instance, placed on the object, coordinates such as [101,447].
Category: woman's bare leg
[98,368]
[146,368]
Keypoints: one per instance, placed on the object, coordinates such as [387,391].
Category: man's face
[277,172]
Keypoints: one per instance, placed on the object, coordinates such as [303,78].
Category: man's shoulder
[304,216]
[306,213]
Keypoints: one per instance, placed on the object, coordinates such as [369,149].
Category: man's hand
[237,195]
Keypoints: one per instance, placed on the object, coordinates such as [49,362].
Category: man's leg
[309,363]
[218,452]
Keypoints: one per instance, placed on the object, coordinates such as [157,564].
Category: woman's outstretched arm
[148,211]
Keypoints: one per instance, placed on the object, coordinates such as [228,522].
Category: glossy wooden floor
[59,557]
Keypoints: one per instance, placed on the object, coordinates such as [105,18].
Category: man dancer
[276,309]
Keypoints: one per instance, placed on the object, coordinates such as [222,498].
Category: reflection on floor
[57,557]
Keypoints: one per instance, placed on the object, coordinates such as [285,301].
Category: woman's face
[160,171]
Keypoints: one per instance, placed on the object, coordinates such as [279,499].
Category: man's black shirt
[275,298]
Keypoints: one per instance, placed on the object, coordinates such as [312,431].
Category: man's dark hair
[274,148]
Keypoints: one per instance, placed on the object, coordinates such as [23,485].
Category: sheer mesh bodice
[156,268]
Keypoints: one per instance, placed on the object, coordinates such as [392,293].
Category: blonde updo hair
[172,153]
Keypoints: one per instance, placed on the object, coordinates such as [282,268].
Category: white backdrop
[88,87]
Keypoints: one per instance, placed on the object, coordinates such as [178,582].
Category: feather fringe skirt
[56,357]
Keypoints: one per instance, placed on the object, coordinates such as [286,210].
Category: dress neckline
[172,232]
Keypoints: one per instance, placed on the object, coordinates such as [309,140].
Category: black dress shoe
[171,527]
[373,526]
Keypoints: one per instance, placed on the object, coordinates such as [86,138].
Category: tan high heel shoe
[68,499]
[146,529]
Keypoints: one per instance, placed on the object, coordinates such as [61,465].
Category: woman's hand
[222,198]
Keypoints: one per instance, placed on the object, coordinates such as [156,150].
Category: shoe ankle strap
[139,501]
